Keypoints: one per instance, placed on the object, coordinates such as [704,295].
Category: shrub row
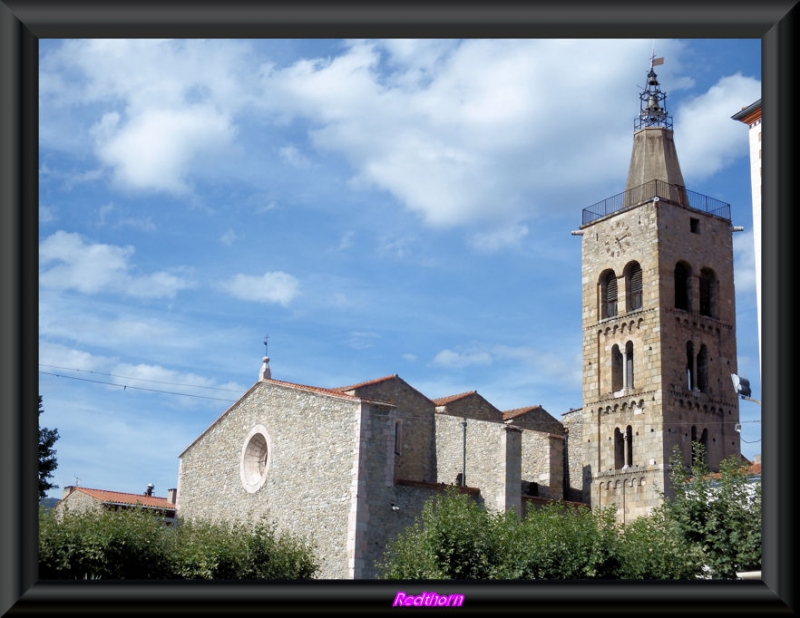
[133,544]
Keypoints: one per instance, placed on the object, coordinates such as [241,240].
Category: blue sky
[375,207]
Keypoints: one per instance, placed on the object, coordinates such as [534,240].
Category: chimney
[172,495]
[149,490]
[67,491]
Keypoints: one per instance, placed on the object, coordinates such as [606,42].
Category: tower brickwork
[659,335]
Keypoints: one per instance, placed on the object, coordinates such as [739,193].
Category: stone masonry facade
[349,469]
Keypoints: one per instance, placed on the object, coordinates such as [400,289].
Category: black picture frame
[24,22]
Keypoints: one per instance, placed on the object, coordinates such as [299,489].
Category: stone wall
[414,452]
[77,502]
[309,486]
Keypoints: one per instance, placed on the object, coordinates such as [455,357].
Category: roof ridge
[449,398]
[366,383]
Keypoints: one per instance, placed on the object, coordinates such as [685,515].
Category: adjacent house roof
[119,498]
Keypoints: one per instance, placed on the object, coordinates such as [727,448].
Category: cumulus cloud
[168,102]
[460,133]
[155,149]
[271,287]
[68,262]
[706,138]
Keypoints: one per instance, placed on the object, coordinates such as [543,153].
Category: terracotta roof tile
[367,383]
[442,401]
[316,389]
[519,411]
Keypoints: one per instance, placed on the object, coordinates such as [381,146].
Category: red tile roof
[367,383]
[316,389]
[117,497]
[441,401]
[518,411]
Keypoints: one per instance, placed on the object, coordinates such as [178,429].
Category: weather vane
[266,337]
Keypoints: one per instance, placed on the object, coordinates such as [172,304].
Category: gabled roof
[443,401]
[509,414]
[367,383]
[117,497]
[332,392]
[336,392]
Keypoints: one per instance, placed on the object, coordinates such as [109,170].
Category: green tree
[718,513]
[47,455]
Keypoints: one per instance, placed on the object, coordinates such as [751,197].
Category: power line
[113,375]
[138,388]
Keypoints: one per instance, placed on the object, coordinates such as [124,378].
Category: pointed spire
[654,156]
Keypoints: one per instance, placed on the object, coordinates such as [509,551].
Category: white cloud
[155,150]
[458,360]
[361,340]
[68,262]
[272,287]
[705,136]
[293,156]
[465,132]
[494,240]
[228,238]
[46,214]
[744,261]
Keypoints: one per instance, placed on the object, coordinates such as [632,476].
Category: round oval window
[255,459]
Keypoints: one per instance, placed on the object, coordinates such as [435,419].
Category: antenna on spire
[266,338]
[654,62]
[653,108]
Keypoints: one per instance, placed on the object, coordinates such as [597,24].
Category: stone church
[349,468]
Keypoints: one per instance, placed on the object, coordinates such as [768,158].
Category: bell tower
[658,319]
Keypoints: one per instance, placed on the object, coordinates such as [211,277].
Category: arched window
[690,380]
[608,294]
[629,365]
[629,441]
[623,448]
[683,286]
[616,369]
[702,369]
[708,292]
[619,449]
[633,286]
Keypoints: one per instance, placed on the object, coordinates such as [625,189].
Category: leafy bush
[456,539]
[718,513]
[204,550]
[101,545]
[653,548]
[133,544]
